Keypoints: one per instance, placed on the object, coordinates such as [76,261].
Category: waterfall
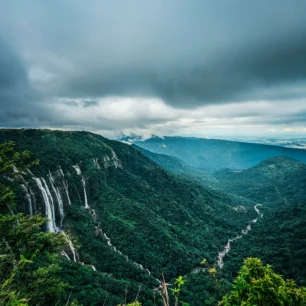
[74,251]
[93,267]
[85,195]
[28,197]
[78,171]
[49,205]
[50,213]
[63,253]
[30,172]
[58,197]
[61,171]
[65,184]
[227,248]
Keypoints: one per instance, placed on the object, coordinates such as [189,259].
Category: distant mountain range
[161,206]
[260,173]
[212,155]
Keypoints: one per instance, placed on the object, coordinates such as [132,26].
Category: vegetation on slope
[213,154]
[275,182]
[159,221]
[257,284]
[178,167]
[279,239]
[29,265]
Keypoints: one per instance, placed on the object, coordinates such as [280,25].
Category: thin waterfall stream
[227,248]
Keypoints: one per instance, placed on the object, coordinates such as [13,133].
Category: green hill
[178,167]
[213,154]
[276,182]
[279,238]
[132,220]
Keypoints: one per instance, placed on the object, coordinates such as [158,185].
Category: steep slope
[276,182]
[279,239]
[131,219]
[177,166]
[213,155]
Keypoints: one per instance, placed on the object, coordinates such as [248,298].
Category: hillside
[131,219]
[278,239]
[178,167]
[276,182]
[213,155]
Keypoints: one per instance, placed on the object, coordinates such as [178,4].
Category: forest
[142,223]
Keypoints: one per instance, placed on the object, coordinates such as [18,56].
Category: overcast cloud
[200,67]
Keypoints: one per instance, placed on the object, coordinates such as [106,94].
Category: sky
[206,68]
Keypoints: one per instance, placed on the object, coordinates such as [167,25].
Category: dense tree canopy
[257,284]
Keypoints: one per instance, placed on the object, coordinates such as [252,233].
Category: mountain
[213,155]
[278,238]
[275,182]
[131,219]
[178,167]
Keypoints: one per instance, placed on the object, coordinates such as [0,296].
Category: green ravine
[160,222]
[126,221]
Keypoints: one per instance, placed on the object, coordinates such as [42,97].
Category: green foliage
[161,221]
[10,160]
[29,269]
[257,284]
[164,222]
[276,182]
[178,283]
[214,154]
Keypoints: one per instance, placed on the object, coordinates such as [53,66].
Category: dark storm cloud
[188,53]
[194,53]
[14,88]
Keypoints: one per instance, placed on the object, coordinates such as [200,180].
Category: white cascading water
[49,194]
[93,267]
[63,253]
[227,248]
[78,171]
[30,172]
[49,205]
[28,197]
[65,184]
[73,250]
[50,213]
[58,197]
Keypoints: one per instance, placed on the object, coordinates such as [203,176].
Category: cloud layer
[153,65]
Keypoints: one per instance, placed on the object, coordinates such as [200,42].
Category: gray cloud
[90,103]
[188,54]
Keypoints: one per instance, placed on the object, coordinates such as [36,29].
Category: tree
[258,285]
[29,265]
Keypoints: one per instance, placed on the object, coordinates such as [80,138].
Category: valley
[129,215]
